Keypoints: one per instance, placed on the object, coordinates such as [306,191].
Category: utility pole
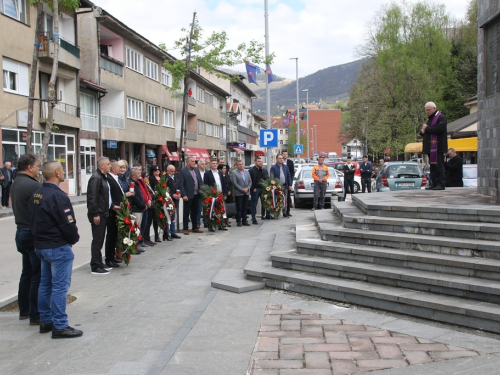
[297,119]
[307,115]
[268,88]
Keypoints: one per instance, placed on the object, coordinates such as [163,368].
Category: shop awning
[198,153]
[463,144]
[237,150]
[172,156]
[260,153]
[414,147]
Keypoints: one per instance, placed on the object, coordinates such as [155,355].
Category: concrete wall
[488,104]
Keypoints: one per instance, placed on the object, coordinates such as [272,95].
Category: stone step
[388,205]
[411,259]
[332,230]
[438,307]
[454,285]
[353,217]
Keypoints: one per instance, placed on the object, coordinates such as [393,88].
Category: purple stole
[434,140]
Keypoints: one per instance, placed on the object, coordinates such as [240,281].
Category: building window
[134,109]
[88,112]
[14,8]
[168,118]
[281,141]
[134,60]
[166,77]
[216,131]
[15,77]
[152,113]
[281,131]
[151,69]
[200,95]
[210,129]
[201,127]
[208,99]
[216,102]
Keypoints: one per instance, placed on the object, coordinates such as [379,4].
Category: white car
[303,186]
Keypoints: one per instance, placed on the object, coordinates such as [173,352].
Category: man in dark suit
[242,183]
[189,183]
[257,173]
[281,171]
[291,168]
[214,177]
[112,228]
[8,178]
[172,184]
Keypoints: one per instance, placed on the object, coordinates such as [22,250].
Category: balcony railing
[111,65]
[192,101]
[48,37]
[89,122]
[112,120]
[223,114]
[67,108]
[192,136]
[223,141]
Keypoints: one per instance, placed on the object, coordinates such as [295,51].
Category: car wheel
[357,188]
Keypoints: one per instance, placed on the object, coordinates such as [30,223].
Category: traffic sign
[298,149]
[269,138]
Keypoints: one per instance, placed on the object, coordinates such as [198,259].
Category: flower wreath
[273,196]
[164,205]
[212,206]
[129,233]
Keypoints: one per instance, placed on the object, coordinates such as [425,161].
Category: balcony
[111,65]
[69,54]
[64,114]
[192,136]
[223,115]
[191,101]
[112,120]
[90,122]
[223,141]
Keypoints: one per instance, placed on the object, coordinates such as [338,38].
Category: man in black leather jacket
[98,205]
[454,170]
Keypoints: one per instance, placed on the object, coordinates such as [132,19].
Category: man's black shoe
[223,228]
[169,238]
[438,188]
[211,229]
[46,327]
[99,271]
[116,260]
[238,225]
[106,267]
[263,218]
[66,333]
[157,239]
[429,187]
[254,222]
[245,224]
[176,236]
[139,250]
[112,264]
[35,322]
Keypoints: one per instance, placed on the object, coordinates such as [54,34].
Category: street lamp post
[307,114]
[316,139]
[297,118]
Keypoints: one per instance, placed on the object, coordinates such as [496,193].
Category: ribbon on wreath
[274,198]
[165,210]
[212,206]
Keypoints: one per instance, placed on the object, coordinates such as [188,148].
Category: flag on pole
[286,121]
[252,71]
[269,72]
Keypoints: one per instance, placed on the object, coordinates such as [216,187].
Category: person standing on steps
[320,174]
[435,144]
[53,226]
[366,170]
[349,170]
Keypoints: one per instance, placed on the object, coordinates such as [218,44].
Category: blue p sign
[269,138]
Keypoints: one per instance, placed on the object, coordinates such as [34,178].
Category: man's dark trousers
[368,182]
[241,208]
[98,235]
[190,208]
[30,276]
[255,195]
[437,171]
[112,235]
[6,194]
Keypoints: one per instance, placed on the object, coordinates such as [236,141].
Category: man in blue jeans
[53,225]
[24,186]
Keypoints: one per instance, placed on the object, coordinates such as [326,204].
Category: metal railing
[48,37]
[192,136]
[64,107]
[111,65]
[112,120]
[191,101]
[89,122]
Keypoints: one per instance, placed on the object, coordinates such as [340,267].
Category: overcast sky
[321,33]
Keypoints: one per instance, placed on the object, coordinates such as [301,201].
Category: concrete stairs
[362,253]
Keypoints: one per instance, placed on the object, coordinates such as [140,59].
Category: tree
[210,54]
[68,6]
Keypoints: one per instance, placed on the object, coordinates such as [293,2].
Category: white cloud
[321,33]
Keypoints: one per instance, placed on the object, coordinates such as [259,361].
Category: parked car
[470,175]
[357,174]
[303,186]
[400,175]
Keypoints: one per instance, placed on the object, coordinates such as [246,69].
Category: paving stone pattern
[297,342]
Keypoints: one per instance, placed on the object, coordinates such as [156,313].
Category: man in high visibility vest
[320,174]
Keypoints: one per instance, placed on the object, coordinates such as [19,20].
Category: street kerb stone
[294,342]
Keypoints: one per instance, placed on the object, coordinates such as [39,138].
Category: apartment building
[17,38]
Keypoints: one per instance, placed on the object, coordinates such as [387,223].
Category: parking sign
[269,138]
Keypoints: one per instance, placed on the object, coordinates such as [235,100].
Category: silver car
[470,175]
[400,175]
[303,187]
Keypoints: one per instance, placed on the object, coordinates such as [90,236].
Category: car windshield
[307,173]
[398,170]
[470,172]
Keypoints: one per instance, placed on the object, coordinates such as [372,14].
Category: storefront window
[71,166]
[60,140]
[9,135]
[9,153]
[71,144]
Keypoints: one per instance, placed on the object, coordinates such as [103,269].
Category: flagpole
[268,89]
